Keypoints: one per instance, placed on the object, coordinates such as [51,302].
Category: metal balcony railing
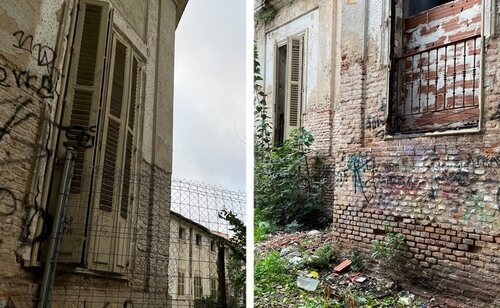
[438,88]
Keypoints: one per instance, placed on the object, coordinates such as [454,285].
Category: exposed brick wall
[441,192]
[455,258]
[33,41]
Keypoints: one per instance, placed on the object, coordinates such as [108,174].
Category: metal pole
[221,270]
[55,239]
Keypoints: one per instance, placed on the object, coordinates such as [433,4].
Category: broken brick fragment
[342,266]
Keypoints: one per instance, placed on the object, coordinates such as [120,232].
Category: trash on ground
[342,266]
[308,284]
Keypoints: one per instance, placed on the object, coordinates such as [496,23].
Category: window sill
[83,271]
[465,131]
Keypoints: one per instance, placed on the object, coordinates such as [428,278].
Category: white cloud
[209,100]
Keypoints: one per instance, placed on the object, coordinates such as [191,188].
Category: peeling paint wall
[441,191]
[315,19]
[33,52]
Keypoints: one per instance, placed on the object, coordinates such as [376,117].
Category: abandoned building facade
[92,79]
[194,252]
[402,98]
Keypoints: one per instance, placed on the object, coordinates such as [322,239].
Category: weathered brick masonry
[441,191]
[35,39]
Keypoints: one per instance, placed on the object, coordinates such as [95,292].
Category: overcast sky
[209,99]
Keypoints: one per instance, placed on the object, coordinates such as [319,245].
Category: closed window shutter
[294,83]
[104,230]
[81,112]
[122,252]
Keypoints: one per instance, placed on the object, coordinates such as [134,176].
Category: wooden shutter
[294,83]
[81,110]
[122,252]
[104,230]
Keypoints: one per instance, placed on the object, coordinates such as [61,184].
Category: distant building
[97,76]
[193,261]
[402,98]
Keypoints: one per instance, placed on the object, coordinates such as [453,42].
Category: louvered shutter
[104,230]
[276,83]
[294,83]
[81,110]
[122,251]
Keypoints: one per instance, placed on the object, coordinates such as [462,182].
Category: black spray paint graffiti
[43,54]
[422,177]
[9,206]
[38,87]
[498,198]
[358,164]
[8,202]
[128,303]
[15,120]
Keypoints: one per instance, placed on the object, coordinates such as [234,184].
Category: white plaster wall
[307,24]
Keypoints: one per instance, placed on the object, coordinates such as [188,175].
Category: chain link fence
[140,240]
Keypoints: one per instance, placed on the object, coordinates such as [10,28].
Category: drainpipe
[55,236]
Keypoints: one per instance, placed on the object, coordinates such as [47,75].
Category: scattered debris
[342,266]
[313,232]
[306,283]
[341,286]
[296,260]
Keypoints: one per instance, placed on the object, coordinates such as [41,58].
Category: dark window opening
[212,246]
[414,7]
[198,239]
[279,127]
[182,233]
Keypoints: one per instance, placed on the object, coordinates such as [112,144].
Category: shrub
[262,228]
[285,191]
[391,256]
[271,272]
[322,259]
[356,259]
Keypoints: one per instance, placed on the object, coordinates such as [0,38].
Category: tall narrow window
[198,288]
[80,114]
[213,287]
[182,233]
[110,232]
[180,283]
[289,62]
[103,100]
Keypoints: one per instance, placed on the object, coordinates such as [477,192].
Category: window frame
[182,233]
[197,286]
[214,287]
[198,239]
[113,31]
[181,281]
[301,109]
[386,60]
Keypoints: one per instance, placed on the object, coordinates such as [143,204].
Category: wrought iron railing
[437,88]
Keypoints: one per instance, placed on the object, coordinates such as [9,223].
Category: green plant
[236,269]
[271,272]
[267,14]
[323,257]
[391,256]
[262,228]
[285,191]
[356,259]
